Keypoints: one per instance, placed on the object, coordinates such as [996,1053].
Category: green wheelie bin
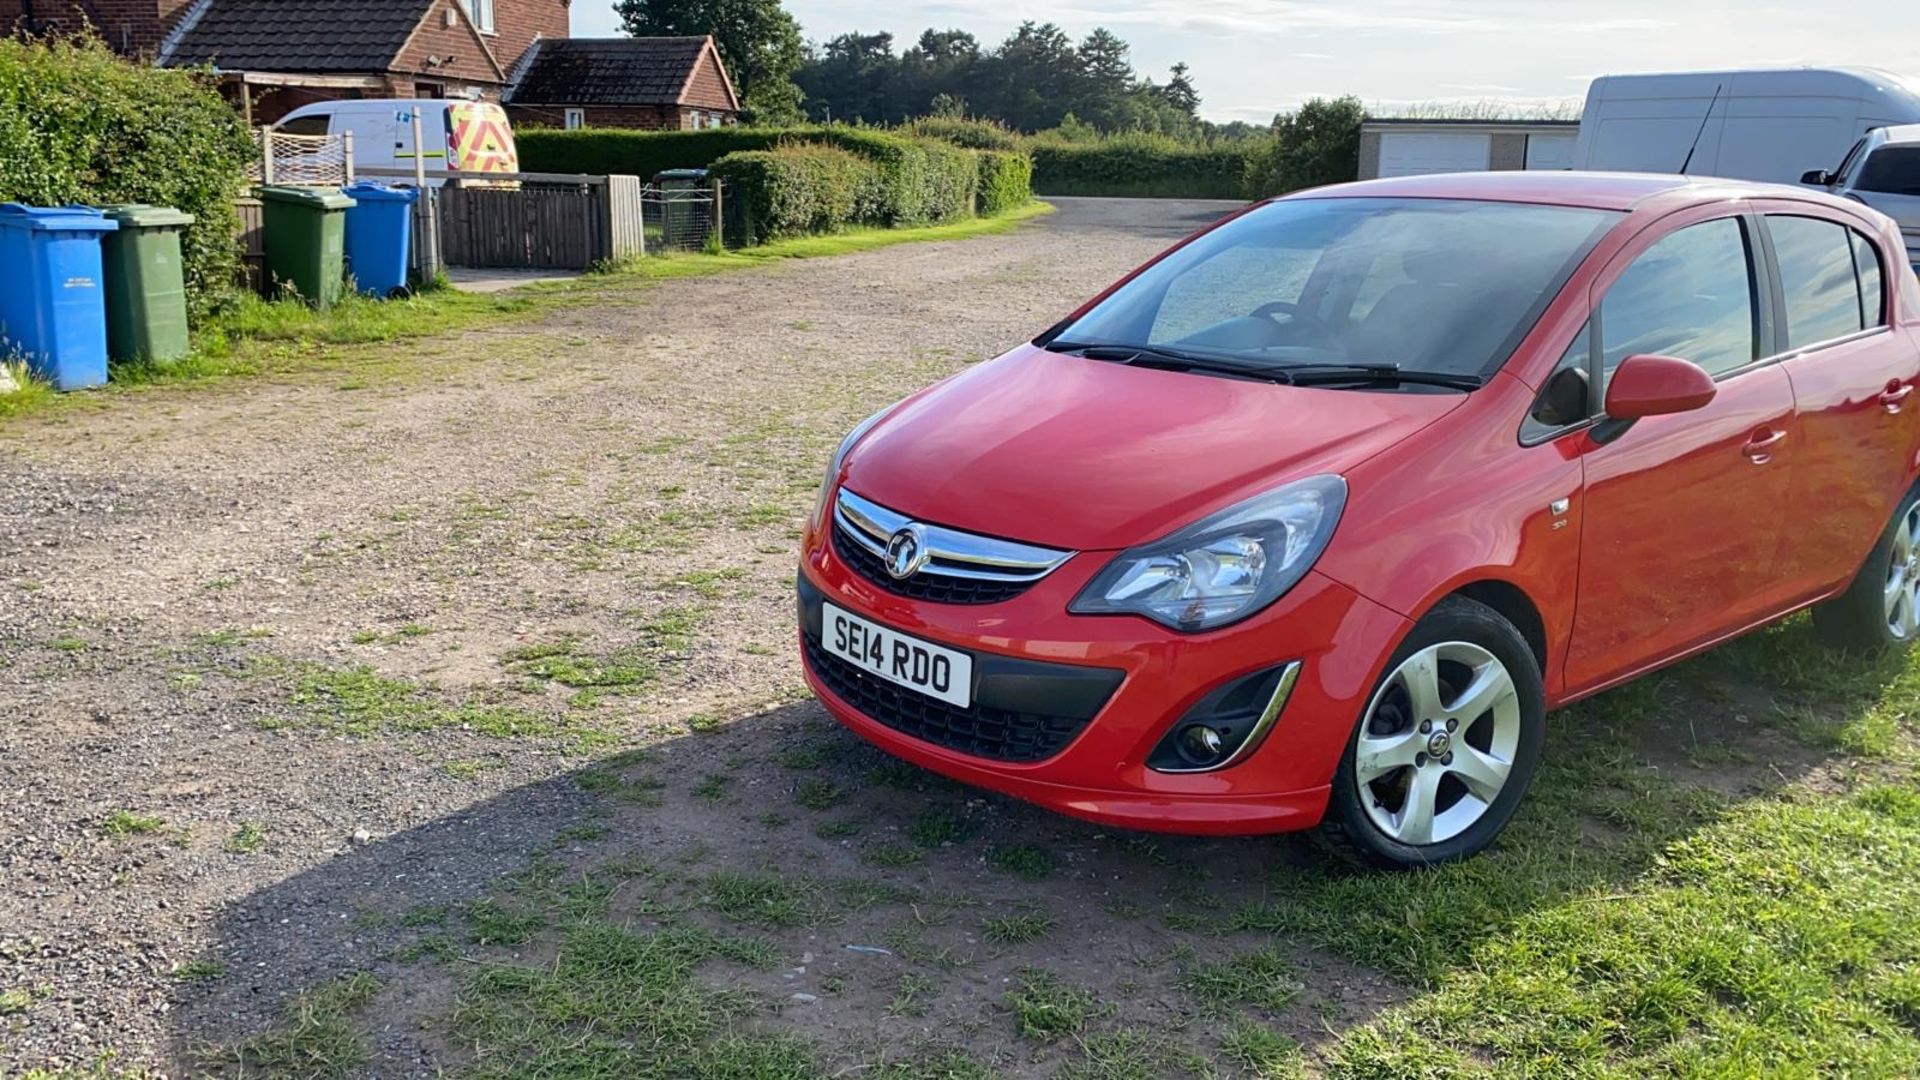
[146,290]
[306,240]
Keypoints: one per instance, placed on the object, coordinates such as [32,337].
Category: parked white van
[461,139]
[1771,125]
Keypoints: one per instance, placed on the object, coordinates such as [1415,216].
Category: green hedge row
[599,151]
[80,125]
[1143,166]
[1006,180]
[862,178]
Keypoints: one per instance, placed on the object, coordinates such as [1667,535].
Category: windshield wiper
[1159,356]
[1306,374]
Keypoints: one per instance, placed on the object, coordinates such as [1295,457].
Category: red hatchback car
[1311,519]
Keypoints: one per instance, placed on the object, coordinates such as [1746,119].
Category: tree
[1317,144]
[1179,91]
[758,40]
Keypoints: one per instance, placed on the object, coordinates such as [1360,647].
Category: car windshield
[1426,285]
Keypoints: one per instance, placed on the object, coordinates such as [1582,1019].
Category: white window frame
[575,119]
[480,12]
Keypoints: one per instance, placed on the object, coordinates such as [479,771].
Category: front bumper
[1340,638]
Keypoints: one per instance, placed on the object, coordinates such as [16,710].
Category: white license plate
[919,665]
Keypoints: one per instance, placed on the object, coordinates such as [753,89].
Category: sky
[1252,58]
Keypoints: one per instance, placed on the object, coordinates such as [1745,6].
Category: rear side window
[1690,295]
[1891,170]
[1873,287]
[306,125]
[1817,279]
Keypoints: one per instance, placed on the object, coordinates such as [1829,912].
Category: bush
[1319,144]
[923,182]
[1006,180]
[600,151]
[972,134]
[80,125]
[1143,165]
[799,189]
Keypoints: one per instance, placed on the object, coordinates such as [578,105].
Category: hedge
[1006,180]
[1143,166]
[800,189]
[79,125]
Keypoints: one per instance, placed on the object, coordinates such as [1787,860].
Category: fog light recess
[1227,724]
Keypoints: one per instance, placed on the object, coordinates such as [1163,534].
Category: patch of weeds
[1263,978]
[197,971]
[318,1038]
[817,794]
[1047,1009]
[68,643]
[775,819]
[891,856]
[490,922]
[471,768]
[704,723]
[1132,1055]
[639,989]
[639,790]
[837,830]
[810,756]
[936,828]
[248,838]
[710,584]
[565,662]
[712,787]
[437,947]
[14,1001]
[576,834]
[762,899]
[427,915]
[124,823]
[673,628]
[910,995]
[1030,861]
[1265,1053]
[405,633]
[1017,929]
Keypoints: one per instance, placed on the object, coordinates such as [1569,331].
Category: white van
[1770,125]
[462,139]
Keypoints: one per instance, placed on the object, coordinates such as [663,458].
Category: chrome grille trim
[951,553]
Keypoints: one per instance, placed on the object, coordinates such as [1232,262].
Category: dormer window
[481,13]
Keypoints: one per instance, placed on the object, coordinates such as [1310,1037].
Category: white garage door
[1411,153]
[1550,151]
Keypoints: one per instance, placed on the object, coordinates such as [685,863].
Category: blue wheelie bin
[52,308]
[379,228]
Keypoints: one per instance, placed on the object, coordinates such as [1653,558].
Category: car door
[1682,513]
[1854,382]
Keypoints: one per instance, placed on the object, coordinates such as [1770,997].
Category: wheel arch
[1514,605]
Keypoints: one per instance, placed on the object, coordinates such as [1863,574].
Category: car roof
[1594,190]
[1902,133]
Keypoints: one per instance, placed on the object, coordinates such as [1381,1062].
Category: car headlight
[1225,567]
[838,460]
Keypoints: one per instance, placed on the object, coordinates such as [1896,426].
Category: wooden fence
[546,221]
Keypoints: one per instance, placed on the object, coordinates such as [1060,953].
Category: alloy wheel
[1438,743]
[1901,596]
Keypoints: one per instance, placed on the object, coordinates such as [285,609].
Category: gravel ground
[256,638]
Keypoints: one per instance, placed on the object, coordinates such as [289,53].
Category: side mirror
[1648,385]
[1816,177]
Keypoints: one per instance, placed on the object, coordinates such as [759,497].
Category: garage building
[1413,147]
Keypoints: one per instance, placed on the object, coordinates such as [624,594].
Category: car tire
[1467,649]
[1878,610]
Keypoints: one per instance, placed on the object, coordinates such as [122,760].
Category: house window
[481,13]
[576,119]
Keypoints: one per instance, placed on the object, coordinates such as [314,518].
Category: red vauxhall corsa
[1310,520]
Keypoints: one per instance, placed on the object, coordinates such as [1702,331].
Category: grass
[245,840]
[1045,1008]
[761,899]
[318,1038]
[1017,929]
[121,824]
[360,702]
[1263,978]
[1030,861]
[196,971]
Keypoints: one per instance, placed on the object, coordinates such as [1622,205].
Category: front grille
[937,588]
[956,567]
[1000,734]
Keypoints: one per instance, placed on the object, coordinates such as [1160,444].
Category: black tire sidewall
[1453,619]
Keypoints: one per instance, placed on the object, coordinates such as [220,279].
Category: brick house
[669,83]
[276,55]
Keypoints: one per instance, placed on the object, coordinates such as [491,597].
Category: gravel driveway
[286,662]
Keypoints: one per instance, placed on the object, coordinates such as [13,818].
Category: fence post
[432,258]
[346,154]
[266,155]
[719,217]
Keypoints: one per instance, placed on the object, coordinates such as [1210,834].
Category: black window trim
[1780,350]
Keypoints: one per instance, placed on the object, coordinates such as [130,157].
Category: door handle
[1894,395]
[1759,449]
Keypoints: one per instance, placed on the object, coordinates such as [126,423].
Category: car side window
[1818,279]
[1690,295]
[1891,170]
[1873,284]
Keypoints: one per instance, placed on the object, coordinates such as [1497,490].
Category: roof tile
[609,71]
